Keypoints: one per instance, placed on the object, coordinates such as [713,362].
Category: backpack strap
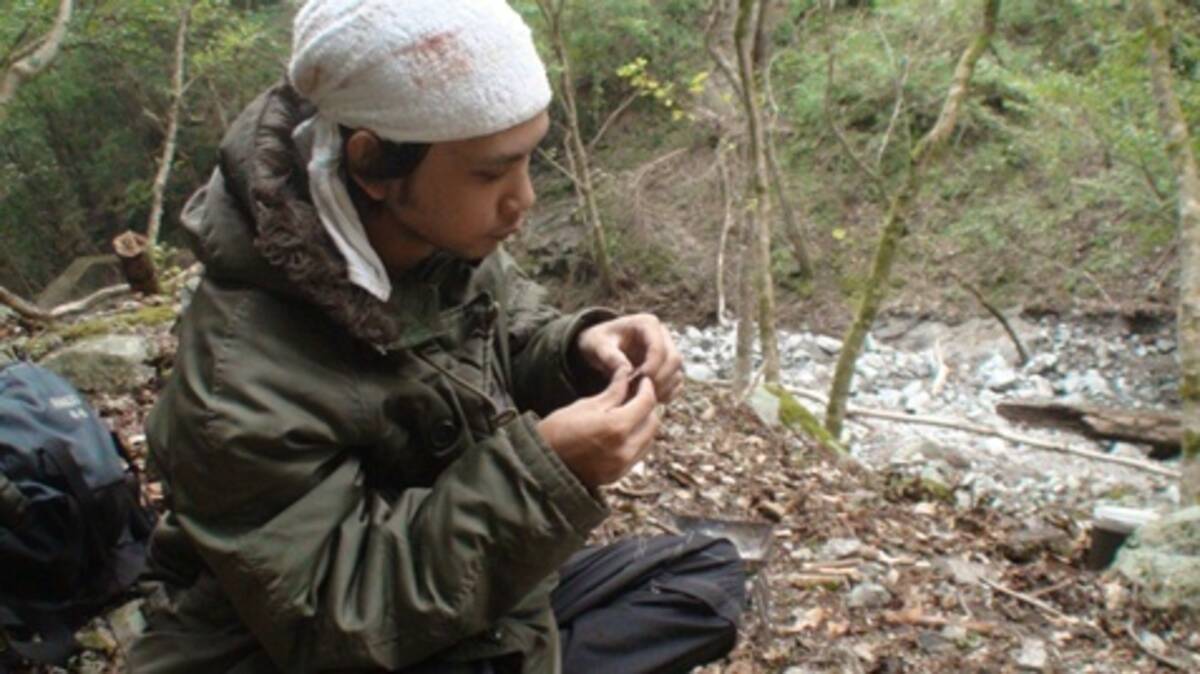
[90,511]
[13,504]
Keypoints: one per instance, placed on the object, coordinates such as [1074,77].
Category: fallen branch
[1032,601]
[980,429]
[1162,659]
[35,313]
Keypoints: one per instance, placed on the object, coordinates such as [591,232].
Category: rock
[1028,544]
[1095,385]
[1032,655]
[997,374]
[829,344]
[83,277]
[1163,558]
[934,643]
[111,364]
[839,548]
[1043,363]
[700,372]
[868,595]
[765,405]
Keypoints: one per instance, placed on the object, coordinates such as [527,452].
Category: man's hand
[639,342]
[602,437]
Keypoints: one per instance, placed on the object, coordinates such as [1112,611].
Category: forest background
[1056,188]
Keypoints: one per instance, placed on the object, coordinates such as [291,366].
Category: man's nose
[523,196]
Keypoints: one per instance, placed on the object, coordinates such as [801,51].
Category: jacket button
[496,635]
[444,434]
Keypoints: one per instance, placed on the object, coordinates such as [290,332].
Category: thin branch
[561,169]
[710,43]
[996,313]
[36,61]
[612,117]
[887,135]
[1162,659]
[872,177]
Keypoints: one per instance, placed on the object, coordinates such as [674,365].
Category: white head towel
[418,71]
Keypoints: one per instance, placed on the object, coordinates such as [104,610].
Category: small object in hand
[635,383]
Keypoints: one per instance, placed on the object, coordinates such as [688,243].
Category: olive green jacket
[353,485]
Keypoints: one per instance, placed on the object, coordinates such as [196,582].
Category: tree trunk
[791,225]
[35,61]
[896,221]
[552,12]
[758,219]
[1179,149]
[133,250]
[154,223]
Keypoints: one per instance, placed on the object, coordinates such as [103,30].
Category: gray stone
[840,548]
[868,595]
[765,406]
[889,398]
[1163,558]
[1094,384]
[1032,655]
[700,372]
[829,344]
[110,364]
[83,277]
[1043,363]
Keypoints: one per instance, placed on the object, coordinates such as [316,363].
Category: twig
[943,370]
[714,17]
[991,309]
[873,177]
[561,169]
[726,226]
[980,429]
[1032,601]
[1162,659]
[887,134]
[612,117]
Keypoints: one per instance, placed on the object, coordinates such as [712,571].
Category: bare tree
[895,222]
[578,158]
[33,58]
[178,89]
[757,230]
[1179,149]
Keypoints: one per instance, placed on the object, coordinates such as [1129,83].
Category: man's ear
[363,156]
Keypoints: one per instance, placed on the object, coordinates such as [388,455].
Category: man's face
[465,197]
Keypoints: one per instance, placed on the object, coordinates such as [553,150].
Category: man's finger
[674,386]
[618,387]
[650,333]
[642,437]
[612,358]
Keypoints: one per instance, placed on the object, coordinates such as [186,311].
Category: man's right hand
[602,437]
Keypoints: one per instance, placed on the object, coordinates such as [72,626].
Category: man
[381,449]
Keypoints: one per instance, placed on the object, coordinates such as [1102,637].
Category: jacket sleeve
[546,373]
[326,571]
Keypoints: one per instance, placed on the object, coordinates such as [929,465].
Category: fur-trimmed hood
[254,223]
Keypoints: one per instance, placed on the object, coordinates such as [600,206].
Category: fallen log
[1160,430]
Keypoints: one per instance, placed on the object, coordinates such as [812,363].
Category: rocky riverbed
[961,372]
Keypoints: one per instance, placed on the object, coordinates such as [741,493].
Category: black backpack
[73,529]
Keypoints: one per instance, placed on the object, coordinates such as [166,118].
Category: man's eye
[488,176]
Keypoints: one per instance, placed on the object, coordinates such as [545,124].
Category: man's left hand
[641,342]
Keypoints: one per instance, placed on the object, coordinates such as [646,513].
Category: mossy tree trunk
[1179,149]
[895,223]
[758,211]
[577,153]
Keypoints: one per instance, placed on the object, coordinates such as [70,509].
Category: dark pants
[644,606]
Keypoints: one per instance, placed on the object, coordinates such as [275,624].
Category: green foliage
[81,142]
